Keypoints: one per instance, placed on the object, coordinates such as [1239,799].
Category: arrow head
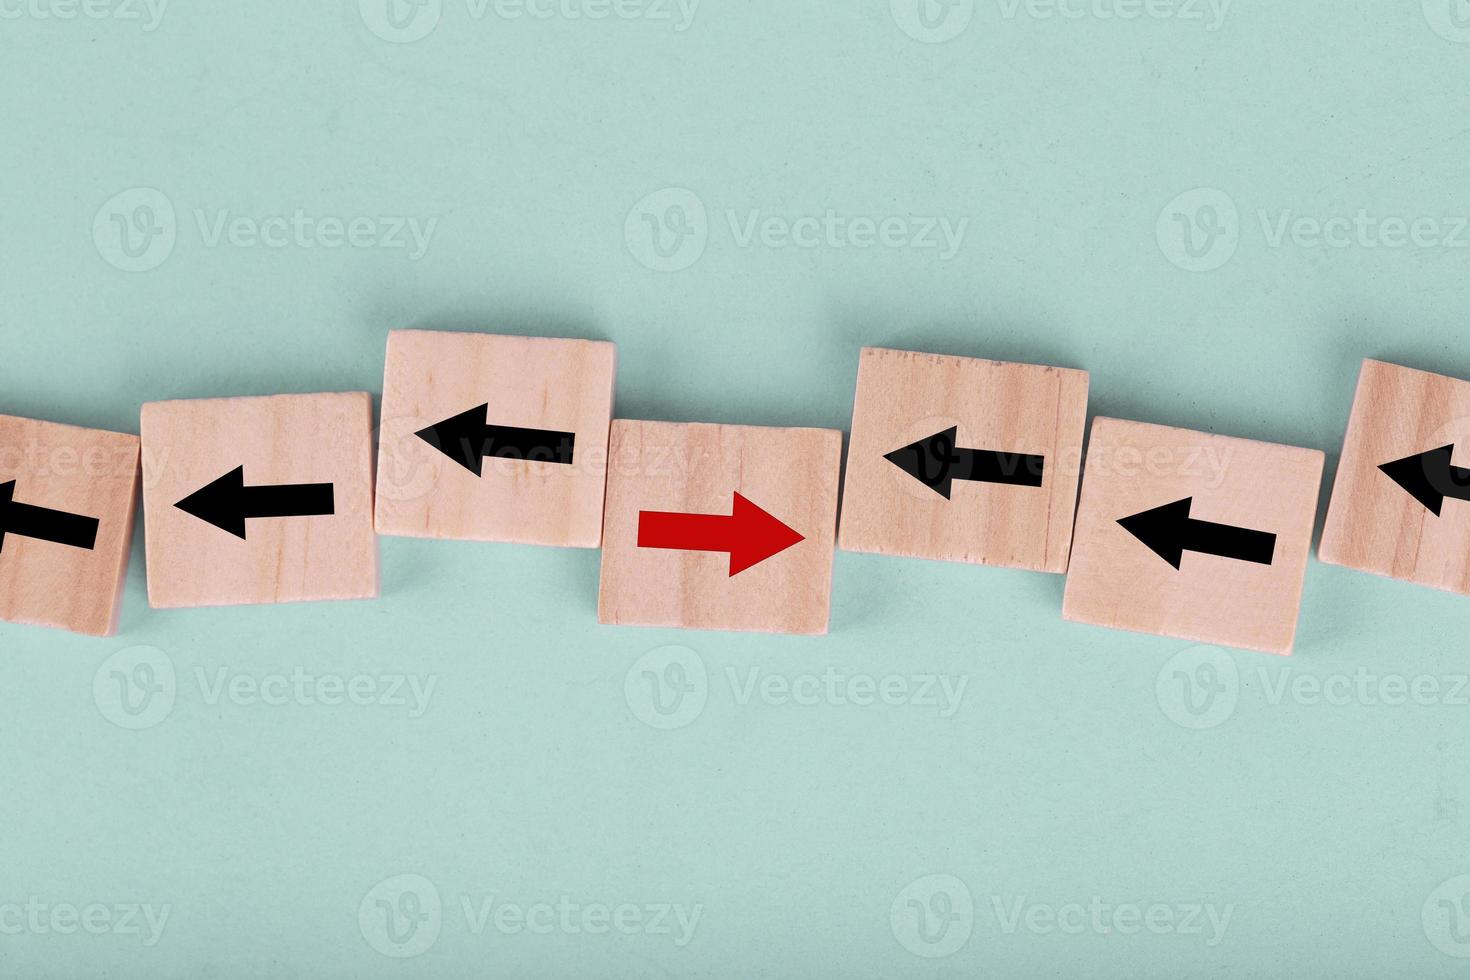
[930,461]
[755,536]
[461,438]
[221,503]
[1424,475]
[1162,529]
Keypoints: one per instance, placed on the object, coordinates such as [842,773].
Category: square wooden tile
[1401,501]
[1192,535]
[66,524]
[493,438]
[726,527]
[251,500]
[961,459]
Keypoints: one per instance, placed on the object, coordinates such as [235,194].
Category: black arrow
[1169,531]
[43,523]
[227,502]
[936,462]
[1429,477]
[467,439]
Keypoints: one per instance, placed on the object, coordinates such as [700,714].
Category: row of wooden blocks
[500,438]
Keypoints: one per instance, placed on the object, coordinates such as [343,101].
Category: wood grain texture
[697,468]
[81,471]
[528,382]
[1015,408]
[1116,581]
[1373,524]
[279,439]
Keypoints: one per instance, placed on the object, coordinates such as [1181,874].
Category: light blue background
[1063,775]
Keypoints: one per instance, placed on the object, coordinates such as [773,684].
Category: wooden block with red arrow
[719,527]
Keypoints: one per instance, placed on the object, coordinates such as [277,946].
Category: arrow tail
[513,442]
[1226,541]
[45,524]
[683,532]
[1008,469]
[289,500]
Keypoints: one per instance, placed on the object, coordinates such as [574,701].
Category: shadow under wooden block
[494,438]
[723,527]
[259,500]
[66,521]
[1193,535]
[962,459]
[1400,505]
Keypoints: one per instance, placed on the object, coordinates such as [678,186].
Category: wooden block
[724,527]
[251,500]
[960,459]
[1401,501]
[523,422]
[66,524]
[1192,535]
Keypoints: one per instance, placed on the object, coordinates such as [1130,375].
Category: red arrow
[749,534]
